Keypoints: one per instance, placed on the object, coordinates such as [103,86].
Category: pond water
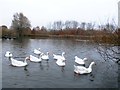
[49,74]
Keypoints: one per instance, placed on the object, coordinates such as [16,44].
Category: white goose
[17,63]
[61,57]
[45,56]
[60,62]
[8,54]
[82,69]
[34,59]
[37,51]
[80,61]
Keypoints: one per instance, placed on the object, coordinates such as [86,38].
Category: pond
[49,74]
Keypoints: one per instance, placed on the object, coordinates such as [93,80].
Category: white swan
[17,63]
[45,56]
[60,62]
[37,51]
[8,54]
[82,69]
[34,59]
[79,60]
[61,57]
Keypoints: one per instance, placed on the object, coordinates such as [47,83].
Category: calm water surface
[48,74]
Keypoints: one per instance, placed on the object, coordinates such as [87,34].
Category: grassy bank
[110,39]
[96,38]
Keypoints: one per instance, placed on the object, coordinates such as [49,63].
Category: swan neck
[10,57]
[90,66]
[25,61]
[62,54]
[39,57]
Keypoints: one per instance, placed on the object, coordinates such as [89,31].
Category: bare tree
[82,25]
[71,24]
[57,25]
[110,50]
[43,28]
[90,26]
[67,24]
[74,24]
[20,23]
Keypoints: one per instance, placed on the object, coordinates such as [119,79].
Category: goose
[61,57]
[17,63]
[37,51]
[34,59]
[8,54]
[45,56]
[61,63]
[80,61]
[82,69]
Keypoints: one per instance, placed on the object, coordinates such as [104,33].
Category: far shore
[98,38]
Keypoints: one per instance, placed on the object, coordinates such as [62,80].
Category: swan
[17,63]
[61,57]
[37,51]
[59,62]
[8,54]
[45,56]
[79,60]
[34,59]
[82,69]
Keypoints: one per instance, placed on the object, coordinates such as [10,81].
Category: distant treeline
[103,35]
[21,27]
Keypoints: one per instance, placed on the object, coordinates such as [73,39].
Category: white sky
[42,12]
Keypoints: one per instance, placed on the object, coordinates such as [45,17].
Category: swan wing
[60,62]
[17,63]
[37,51]
[34,59]
[82,69]
[45,57]
[59,57]
[79,62]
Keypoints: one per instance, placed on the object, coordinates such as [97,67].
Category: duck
[80,61]
[17,63]
[37,51]
[34,59]
[61,63]
[82,69]
[45,56]
[60,57]
[8,54]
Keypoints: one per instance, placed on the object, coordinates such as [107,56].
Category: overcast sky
[42,12]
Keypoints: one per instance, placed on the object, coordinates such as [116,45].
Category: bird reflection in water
[43,66]
[26,71]
[47,65]
[62,68]
[25,68]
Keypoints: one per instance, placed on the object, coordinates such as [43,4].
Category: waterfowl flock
[60,61]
